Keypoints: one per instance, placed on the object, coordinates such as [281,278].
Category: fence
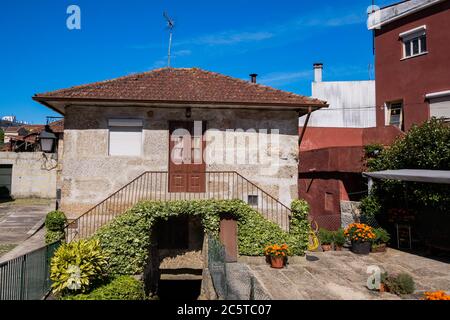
[217,267]
[234,281]
[221,185]
[27,277]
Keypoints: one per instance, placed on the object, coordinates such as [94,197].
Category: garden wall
[33,175]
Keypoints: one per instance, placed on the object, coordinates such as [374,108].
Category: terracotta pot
[383,287]
[361,247]
[277,262]
[379,248]
[326,247]
[338,248]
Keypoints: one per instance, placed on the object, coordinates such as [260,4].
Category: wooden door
[186,164]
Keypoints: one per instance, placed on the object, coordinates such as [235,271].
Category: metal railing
[27,277]
[154,185]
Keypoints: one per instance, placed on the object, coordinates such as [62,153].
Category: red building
[412,61]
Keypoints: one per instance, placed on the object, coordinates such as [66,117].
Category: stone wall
[350,212]
[33,174]
[89,174]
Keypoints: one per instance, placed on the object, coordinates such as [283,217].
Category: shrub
[127,238]
[55,221]
[339,237]
[54,236]
[325,236]
[77,267]
[399,284]
[424,147]
[381,236]
[370,206]
[120,288]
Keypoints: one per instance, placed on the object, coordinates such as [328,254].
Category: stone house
[182,134]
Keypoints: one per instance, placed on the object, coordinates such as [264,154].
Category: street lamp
[47,139]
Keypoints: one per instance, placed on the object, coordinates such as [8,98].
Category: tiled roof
[184,85]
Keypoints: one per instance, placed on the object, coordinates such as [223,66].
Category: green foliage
[54,236]
[127,238]
[120,288]
[339,237]
[370,206]
[381,236]
[325,236]
[299,227]
[55,221]
[399,284]
[424,147]
[77,267]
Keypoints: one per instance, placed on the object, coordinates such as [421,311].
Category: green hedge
[55,221]
[127,238]
[120,288]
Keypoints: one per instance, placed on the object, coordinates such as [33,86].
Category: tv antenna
[170,26]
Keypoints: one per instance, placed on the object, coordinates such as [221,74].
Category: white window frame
[388,108]
[407,37]
[126,123]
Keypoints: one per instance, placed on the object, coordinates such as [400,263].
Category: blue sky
[279,40]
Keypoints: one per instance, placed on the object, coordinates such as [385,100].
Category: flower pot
[326,247]
[361,247]
[379,248]
[338,248]
[277,262]
[383,288]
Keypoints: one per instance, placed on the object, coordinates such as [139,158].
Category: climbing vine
[127,238]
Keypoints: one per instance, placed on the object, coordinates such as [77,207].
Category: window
[395,114]
[125,137]
[252,200]
[414,42]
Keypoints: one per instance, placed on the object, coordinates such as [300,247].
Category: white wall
[33,175]
[352,104]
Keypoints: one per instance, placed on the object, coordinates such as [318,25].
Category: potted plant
[326,239]
[338,239]
[382,237]
[361,235]
[277,254]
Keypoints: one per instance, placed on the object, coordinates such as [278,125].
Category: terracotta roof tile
[180,85]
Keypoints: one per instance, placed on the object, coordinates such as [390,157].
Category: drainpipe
[304,128]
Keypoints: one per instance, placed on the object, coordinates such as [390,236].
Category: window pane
[395,114]
[415,46]
[423,43]
[407,48]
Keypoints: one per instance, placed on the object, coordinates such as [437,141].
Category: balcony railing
[151,185]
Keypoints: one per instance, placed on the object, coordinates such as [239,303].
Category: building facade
[412,43]
[332,147]
[185,126]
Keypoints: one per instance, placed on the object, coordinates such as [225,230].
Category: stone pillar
[228,237]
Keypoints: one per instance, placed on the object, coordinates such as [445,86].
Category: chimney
[253,77]
[318,68]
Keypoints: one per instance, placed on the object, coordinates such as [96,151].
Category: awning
[415,175]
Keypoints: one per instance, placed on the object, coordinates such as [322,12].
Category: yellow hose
[313,240]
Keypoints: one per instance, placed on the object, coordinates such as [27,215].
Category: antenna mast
[170,25]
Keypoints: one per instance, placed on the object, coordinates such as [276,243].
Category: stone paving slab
[342,275]
[19,222]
